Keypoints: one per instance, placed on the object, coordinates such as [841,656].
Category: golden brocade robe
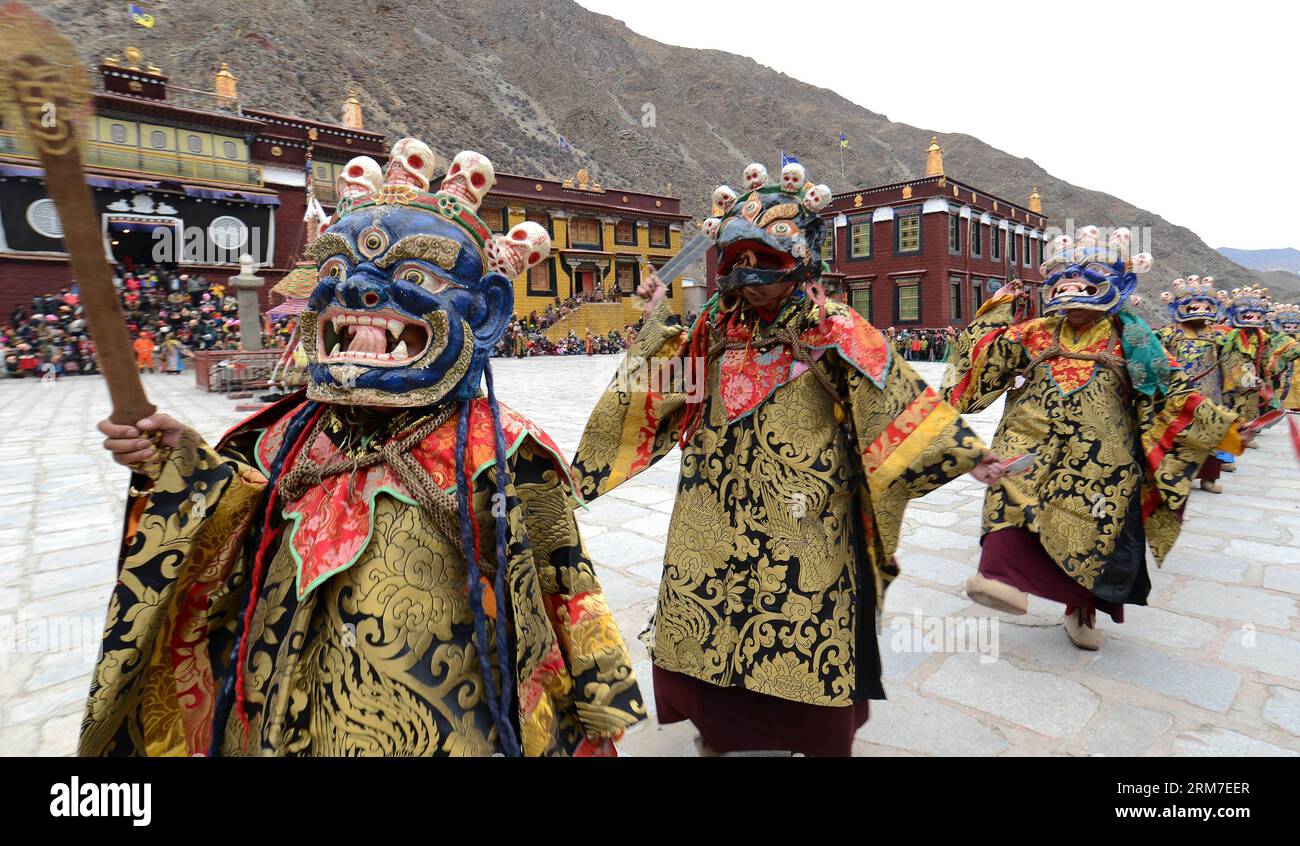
[361,641]
[1113,465]
[1286,375]
[1249,366]
[1199,353]
[789,502]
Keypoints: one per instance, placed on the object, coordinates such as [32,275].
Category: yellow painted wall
[138,135]
[525,303]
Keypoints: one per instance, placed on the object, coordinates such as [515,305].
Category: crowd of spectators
[921,344]
[169,316]
[524,338]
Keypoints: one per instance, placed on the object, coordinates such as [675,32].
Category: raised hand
[1014,288]
[131,445]
[651,291]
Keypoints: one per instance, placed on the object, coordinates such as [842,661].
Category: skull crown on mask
[413,288]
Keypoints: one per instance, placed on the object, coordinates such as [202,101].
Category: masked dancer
[387,564]
[803,436]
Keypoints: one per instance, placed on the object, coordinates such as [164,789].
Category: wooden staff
[44,89]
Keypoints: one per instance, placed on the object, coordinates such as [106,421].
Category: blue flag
[564,145]
[844,140]
[140,16]
[785,160]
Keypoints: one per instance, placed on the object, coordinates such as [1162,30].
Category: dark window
[860,301]
[496,219]
[625,232]
[954,233]
[907,299]
[954,296]
[584,231]
[625,276]
[995,238]
[976,237]
[541,278]
[907,233]
[976,293]
[860,237]
[1011,246]
[658,234]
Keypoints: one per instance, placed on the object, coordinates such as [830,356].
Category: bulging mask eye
[783,229]
[417,275]
[335,268]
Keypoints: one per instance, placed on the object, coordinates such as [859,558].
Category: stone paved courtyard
[1212,667]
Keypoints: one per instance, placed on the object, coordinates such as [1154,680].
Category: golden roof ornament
[934,158]
[133,57]
[351,117]
[1035,202]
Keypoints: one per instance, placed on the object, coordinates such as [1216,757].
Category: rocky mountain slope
[509,79]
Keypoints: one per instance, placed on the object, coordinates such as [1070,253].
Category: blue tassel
[226,696]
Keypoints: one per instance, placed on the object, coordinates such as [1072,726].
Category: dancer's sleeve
[1180,430]
[597,672]
[636,421]
[179,568]
[984,358]
[910,441]
[1285,350]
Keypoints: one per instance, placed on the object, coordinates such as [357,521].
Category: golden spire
[133,56]
[352,111]
[934,158]
[1035,202]
[225,85]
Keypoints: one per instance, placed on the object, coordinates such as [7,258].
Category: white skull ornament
[410,162]
[710,227]
[816,197]
[470,177]
[361,177]
[793,176]
[523,246]
[755,176]
[723,199]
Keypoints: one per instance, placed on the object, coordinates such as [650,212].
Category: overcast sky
[1187,109]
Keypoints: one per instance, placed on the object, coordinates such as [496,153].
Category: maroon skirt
[1017,558]
[1210,469]
[734,719]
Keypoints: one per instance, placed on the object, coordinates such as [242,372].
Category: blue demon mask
[1090,276]
[1249,308]
[771,233]
[1286,318]
[414,290]
[1193,300]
